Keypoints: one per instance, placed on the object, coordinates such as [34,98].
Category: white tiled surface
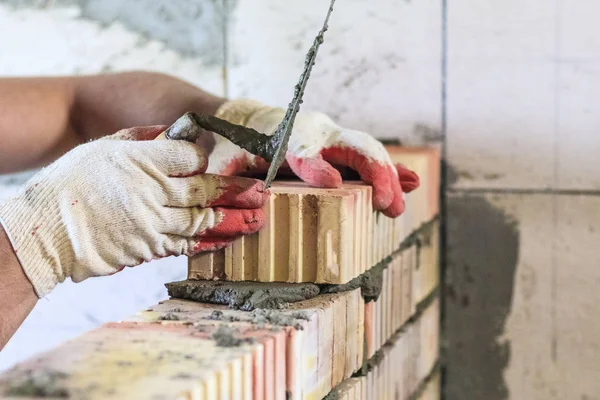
[577,296]
[500,93]
[528,328]
[554,325]
[522,94]
[522,108]
[579,39]
[500,130]
[579,124]
[510,30]
[522,306]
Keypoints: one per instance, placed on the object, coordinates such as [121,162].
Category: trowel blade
[284,130]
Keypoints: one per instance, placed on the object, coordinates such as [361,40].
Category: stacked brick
[406,365]
[312,235]
[333,343]
[324,235]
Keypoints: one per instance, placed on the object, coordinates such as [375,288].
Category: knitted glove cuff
[40,268]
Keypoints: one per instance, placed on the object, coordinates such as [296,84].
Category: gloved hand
[115,202]
[316,143]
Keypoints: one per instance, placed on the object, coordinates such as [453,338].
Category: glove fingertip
[316,172]
[235,222]
[383,189]
[238,192]
[408,179]
[397,206]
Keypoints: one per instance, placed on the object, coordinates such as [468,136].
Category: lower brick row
[190,350]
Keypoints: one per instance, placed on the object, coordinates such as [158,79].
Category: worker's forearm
[104,104]
[34,121]
[17,297]
[42,118]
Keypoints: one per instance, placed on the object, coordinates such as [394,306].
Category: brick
[325,235]
[138,360]
[146,356]
[406,366]
[340,339]
[429,336]
[408,282]
[427,269]
[426,162]
[310,235]
[370,329]
[396,304]
[432,390]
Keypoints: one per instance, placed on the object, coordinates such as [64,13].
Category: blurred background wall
[510,90]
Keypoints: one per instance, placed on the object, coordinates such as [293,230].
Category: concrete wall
[522,131]
[510,89]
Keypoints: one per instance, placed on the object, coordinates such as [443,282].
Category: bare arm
[16,292]
[43,118]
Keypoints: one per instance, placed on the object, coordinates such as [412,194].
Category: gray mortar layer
[261,317]
[245,296]
[39,384]
[333,395]
[226,336]
[369,283]
[248,296]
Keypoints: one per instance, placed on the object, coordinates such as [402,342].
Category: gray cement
[369,283]
[333,395]
[245,296]
[261,317]
[40,384]
[226,336]
[482,256]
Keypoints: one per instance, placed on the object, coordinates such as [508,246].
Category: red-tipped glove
[123,200]
[316,143]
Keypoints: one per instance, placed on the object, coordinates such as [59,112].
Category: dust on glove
[315,144]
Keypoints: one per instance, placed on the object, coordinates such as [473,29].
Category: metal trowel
[271,148]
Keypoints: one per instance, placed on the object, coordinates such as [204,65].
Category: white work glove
[115,202]
[317,143]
